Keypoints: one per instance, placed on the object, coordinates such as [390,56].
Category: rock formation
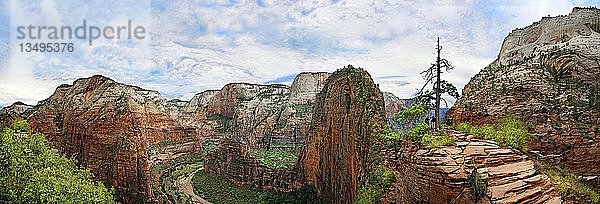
[17,110]
[119,132]
[337,156]
[108,127]
[393,104]
[547,74]
[440,175]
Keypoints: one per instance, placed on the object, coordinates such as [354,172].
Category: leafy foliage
[371,192]
[275,159]
[430,141]
[21,126]
[464,127]
[220,190]
[411,115]
[389,135]
[302,109]
[419,130]
[569,185]
[509,132]
[477,186]
[32,172]
[513,132]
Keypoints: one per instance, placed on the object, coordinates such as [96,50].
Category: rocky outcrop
[16,110]
[547,74]
[108,127]
[440,175]
[337,155]
[393,104]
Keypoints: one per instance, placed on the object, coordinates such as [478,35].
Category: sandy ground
[184,183]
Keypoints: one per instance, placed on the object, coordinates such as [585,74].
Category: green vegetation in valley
[33,172]
[209,146]
[224,122]
[275,159]
[569,185]
[510,132]
[219,190]
[371,192]
[182,166]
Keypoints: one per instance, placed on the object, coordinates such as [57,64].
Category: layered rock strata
[440,175]
[337,156]
[120,132]
[547,74]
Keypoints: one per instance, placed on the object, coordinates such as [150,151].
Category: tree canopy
[33,172]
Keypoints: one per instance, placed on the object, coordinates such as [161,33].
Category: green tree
[431,98]
[32,172]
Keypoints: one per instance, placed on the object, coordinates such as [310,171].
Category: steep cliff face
[547,74]
[107,127]
[337,155]
[393,104]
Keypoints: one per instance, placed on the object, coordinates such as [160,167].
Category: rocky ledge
[548,75]
[440,175]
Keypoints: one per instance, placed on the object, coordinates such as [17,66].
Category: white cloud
[204,45]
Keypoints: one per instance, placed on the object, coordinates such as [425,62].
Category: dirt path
[184,183]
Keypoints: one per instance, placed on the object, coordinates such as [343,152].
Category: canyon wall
[119,132]
[337,156]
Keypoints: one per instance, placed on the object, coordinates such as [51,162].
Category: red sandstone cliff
[336,158]
[120,131]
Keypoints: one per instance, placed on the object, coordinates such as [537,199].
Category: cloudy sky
[198,45]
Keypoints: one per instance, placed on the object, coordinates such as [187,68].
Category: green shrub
[371,192]
[484,132]
[430,141]
[464,127]
[513,132]
[369,195]
[32,172]
[390,136]
[419,130]
[477,186]
[569,184]
[510,132]
[20,125]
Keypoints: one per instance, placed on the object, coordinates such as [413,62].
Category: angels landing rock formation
[337,155]
[547,74]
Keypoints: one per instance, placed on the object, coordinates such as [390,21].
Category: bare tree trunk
[438,88]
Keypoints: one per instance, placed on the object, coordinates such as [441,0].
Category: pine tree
[431,98]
